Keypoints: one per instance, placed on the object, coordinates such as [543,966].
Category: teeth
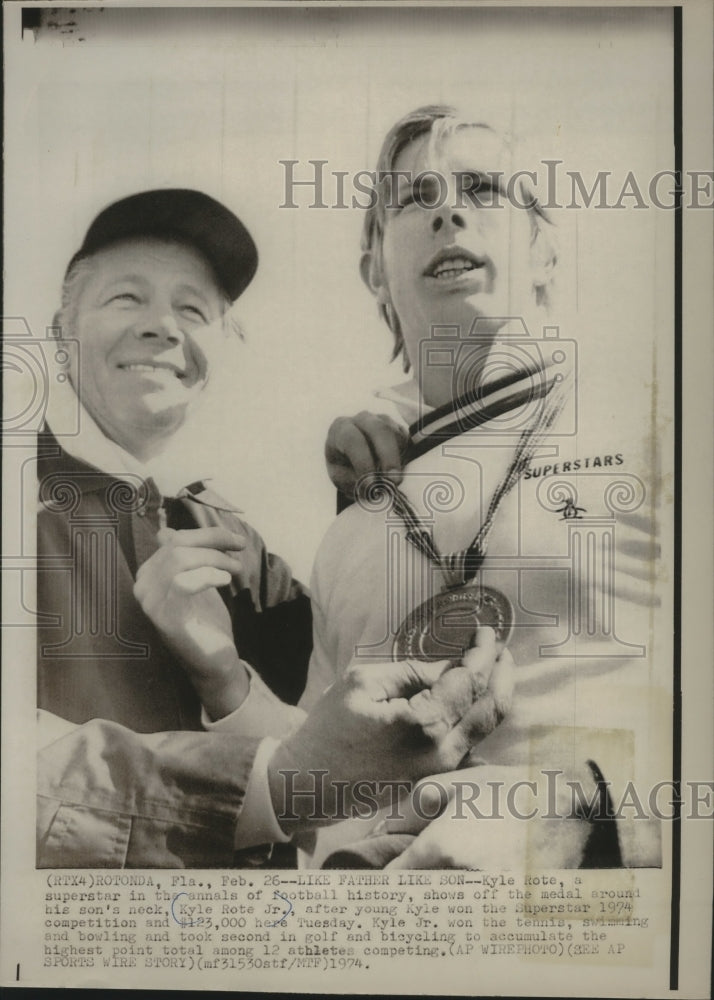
[453,267]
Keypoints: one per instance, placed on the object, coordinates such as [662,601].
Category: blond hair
[439,122]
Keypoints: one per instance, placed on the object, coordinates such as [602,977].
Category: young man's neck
[473,364]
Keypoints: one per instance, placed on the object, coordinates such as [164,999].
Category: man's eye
[425,194]
[124,298]
[416,194]
[479,188]
[188,308]
[428,194]
[404,200]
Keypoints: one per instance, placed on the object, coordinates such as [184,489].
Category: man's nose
[160,325]
[448,218]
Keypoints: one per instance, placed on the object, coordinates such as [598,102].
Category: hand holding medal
[396,721]
[469,699]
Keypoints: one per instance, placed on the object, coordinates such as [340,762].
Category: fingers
[502,683]
[383,682]
[221,539]
[438,709]
[480,659]
[185,570]
[364,445]
[481,719]
[452,691]
[347,447]
[437,699]
[485,679]
[387,442]
[490,702]
[488,708]
[195,581]
[342,478]
[178,559]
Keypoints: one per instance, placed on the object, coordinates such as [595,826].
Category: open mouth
[453,262]
[152,369]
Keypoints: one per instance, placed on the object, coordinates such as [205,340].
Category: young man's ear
[371,270]
[544,257]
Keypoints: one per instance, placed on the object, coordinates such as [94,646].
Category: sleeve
[257,823]
[323,666]
[272,622]
[321,672]
[112,798]
[261,714]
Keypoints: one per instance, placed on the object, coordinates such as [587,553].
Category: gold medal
[445,626]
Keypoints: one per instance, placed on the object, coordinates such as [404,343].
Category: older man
[161,611]
[146,300]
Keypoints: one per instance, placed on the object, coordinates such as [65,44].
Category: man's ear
[544,257]
[371,270]
[58,326]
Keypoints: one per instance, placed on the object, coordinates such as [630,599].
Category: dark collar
[55,464]
[477,407]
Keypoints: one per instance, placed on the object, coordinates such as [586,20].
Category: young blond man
[522,508]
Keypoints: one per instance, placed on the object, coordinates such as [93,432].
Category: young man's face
[141,317]
[468,259]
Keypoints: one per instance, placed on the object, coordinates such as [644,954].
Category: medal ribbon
[460,567]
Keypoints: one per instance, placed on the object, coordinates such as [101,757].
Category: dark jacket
[99,656]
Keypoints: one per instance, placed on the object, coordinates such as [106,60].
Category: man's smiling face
[468,258]
[141,317]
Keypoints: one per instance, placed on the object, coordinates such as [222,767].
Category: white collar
[169,470]
[407,398]
[429,425]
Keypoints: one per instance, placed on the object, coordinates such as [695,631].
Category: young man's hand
[396,721]
[493,818]
[363,445]
[176,588]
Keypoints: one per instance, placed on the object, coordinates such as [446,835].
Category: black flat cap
[186,215]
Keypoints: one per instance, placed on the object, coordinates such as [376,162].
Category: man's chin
[468,316]
[169,399]
[163,412]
